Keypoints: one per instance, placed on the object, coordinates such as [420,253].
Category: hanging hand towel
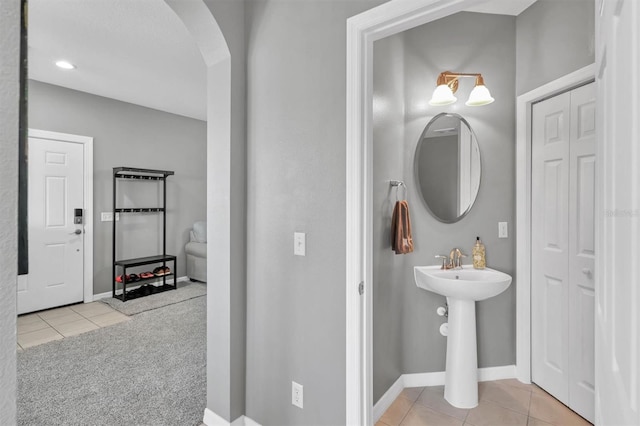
[402,242]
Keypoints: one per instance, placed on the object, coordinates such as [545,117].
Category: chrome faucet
[454,259]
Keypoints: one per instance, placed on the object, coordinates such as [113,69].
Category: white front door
[56,243]
[563,247]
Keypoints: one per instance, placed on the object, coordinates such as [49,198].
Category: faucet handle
[459,256]
[444,260]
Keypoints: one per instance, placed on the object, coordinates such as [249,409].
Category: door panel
[582,251]
[549,252]
[56,188]
[563,212]
[554,349]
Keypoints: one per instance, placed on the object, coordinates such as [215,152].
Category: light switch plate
[108,216]
[299,243]
[503,230]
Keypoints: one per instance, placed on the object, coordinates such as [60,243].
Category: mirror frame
[416,157]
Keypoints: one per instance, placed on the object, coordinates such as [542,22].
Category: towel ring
[398,184]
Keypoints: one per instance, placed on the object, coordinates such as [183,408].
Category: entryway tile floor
[55,324]
[501,403]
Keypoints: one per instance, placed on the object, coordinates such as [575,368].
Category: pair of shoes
[127,278]
[161,270]
[145,275]
[132,278]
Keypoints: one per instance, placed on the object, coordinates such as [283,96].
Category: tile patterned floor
[501,403]
[55,324]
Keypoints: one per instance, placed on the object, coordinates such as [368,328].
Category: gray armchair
[196,251]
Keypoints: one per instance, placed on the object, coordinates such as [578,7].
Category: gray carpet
[146,371]
[185,291]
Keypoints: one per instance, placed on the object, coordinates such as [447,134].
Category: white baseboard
[212,419]
[496,373]
[108,294]
[387,399]
[418,380]
[248,421]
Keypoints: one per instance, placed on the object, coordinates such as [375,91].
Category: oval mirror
[447,167]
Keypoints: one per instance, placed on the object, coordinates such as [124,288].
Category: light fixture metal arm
[451,79]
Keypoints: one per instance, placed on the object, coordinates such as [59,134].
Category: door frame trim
[523,208]
[362,30]
[87,143]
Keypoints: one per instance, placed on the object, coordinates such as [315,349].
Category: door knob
[587,272]
[76,232]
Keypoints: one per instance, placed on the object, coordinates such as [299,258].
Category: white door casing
[563,253]
[524,205]
[60,260]
[618,213]
[612,390]
[362,30]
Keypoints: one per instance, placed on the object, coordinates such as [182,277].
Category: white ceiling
[136,51]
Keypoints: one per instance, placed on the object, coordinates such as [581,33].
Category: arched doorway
[202,25]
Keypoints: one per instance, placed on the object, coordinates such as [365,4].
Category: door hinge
[361,288]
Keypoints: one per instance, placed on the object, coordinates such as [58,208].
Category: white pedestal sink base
[461,372]
[462,287]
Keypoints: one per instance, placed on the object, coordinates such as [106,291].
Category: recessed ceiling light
[66,65]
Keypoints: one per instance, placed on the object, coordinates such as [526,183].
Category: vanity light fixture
[65,65]
[447,85]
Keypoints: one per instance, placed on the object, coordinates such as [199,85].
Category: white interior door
[618,244]
[56,244]
[582,179]
[563,247]
[549,251]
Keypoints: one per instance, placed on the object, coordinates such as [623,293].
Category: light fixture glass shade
[479,96]
[443,95]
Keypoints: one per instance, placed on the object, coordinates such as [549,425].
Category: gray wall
[230,402]
[474,43]
[554,38]
[388,160]
[9,130]
[296,173]
[129,135]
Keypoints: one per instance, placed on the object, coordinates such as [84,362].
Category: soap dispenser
[478,252]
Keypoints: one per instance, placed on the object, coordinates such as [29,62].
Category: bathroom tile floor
[501,402]
[55,324]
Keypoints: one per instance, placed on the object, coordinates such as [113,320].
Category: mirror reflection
[447,167]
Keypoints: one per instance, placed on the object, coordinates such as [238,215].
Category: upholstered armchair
[196,251]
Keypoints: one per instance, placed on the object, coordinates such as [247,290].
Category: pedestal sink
[462,288]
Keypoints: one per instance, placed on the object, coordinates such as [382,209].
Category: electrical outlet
[108,216]
[299,243]
[297,394]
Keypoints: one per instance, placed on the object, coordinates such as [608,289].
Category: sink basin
[466,283]
[462,288]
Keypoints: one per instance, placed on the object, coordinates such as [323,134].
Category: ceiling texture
[135,51]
